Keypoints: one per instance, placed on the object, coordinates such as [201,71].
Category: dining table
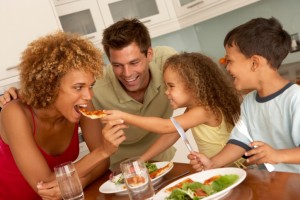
[258,185]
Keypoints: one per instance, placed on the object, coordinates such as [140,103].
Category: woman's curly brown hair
[206,82]
[47,59]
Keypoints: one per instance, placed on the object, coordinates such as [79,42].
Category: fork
[241,126]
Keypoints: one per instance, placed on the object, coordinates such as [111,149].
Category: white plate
[202,176]
[110,187]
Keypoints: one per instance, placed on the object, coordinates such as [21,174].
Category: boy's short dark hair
[260,36]
[123,33]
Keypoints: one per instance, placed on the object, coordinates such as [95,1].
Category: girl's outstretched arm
[190,118]
[153,124]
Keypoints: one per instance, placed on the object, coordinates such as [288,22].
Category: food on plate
[152,168]
[193,190]
[118,179]
[157,172]
[94,114]
[136,180]
[179,185]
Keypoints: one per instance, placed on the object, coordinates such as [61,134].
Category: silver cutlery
[241,126]
[182,134]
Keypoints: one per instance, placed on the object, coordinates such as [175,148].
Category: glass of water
[137,180]
[68,181]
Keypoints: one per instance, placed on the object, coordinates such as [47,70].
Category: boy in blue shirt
[271,112]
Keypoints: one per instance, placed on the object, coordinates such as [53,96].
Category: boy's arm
[227,155]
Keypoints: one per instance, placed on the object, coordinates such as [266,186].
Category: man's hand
[10,94]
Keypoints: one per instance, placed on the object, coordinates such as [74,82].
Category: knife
[182,134]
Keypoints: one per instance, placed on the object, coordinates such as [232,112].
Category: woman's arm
[102,142]
[23,147]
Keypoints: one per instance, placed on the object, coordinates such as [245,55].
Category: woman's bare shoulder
[14,111]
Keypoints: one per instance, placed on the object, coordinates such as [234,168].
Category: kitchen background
[207,37]
[201,33]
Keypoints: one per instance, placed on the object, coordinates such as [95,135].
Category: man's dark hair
[123,33]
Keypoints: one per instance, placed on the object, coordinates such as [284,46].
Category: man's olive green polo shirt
[109,95]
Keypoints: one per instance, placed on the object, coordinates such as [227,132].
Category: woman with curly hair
[40,130]
[195,82]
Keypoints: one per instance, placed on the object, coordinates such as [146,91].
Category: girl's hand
[262,153]
[199,161]
[49,190]
[112,115]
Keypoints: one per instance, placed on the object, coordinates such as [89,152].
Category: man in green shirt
[133,82]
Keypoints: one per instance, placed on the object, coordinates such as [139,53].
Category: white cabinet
[82,16]
[22,22]
[187,7]
[190,12]
[160,16]
[150,12]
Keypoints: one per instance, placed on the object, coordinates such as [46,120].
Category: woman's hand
[49,190]
[113,135]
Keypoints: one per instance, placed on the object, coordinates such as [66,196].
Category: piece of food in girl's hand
[93,114]
[193,190]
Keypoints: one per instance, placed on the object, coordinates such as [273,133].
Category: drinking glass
[68,181]
[137,180]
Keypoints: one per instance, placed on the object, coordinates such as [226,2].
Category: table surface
[259,184]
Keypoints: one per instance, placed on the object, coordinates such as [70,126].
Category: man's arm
[162,143]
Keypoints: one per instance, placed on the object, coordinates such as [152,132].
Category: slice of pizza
[94,114]
[179,185]
[160,171]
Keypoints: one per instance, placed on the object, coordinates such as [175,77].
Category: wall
[208,36]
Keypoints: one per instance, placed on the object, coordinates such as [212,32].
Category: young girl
[194,81]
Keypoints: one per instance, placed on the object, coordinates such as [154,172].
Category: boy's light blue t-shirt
[274,120]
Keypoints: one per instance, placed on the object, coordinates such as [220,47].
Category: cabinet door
[149,12]
[185,7]
[59,2]
[22,22]
[82,17]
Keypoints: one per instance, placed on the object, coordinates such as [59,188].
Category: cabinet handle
[90,37]
[146,21]
[195,4]
[11,68]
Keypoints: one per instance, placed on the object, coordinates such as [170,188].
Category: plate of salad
[116,184]
[206,185]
